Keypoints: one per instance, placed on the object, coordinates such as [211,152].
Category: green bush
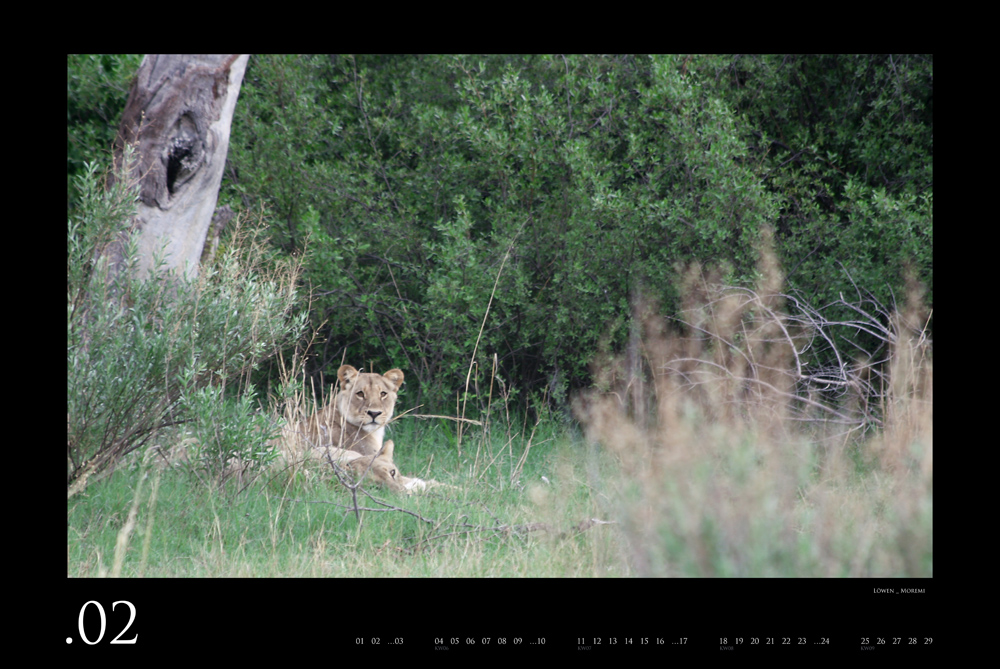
[589,179]
[228,433]
[96,91]
[146,355]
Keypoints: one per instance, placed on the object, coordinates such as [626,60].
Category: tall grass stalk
[475,349]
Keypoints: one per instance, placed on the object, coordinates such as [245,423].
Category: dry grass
[733,463]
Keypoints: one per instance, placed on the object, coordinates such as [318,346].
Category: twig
[454,418]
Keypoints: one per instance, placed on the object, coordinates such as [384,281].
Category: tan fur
[378,468]
[355,419]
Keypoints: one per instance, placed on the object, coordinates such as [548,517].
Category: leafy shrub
[590,179]
[97,88]
[143,355]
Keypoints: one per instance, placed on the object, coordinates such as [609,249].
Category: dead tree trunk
[178,116]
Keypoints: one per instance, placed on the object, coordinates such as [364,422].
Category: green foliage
[96,92]
[590,180]
[142,354]
[227,431]
[846,144]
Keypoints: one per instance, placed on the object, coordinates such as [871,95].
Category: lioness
[355,419]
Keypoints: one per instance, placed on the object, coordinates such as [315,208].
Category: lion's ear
[346,374]
[387,448]
[395,377]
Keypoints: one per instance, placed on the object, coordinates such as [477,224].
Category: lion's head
[356,417]
[367,400]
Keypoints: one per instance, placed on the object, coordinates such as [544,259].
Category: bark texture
[178,116]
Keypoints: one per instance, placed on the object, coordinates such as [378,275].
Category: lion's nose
[374,414]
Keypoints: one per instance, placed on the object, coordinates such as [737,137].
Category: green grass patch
[570,509]
[491,524]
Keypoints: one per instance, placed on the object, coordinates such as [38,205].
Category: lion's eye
[392,473]
[384,393]
[361,394]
